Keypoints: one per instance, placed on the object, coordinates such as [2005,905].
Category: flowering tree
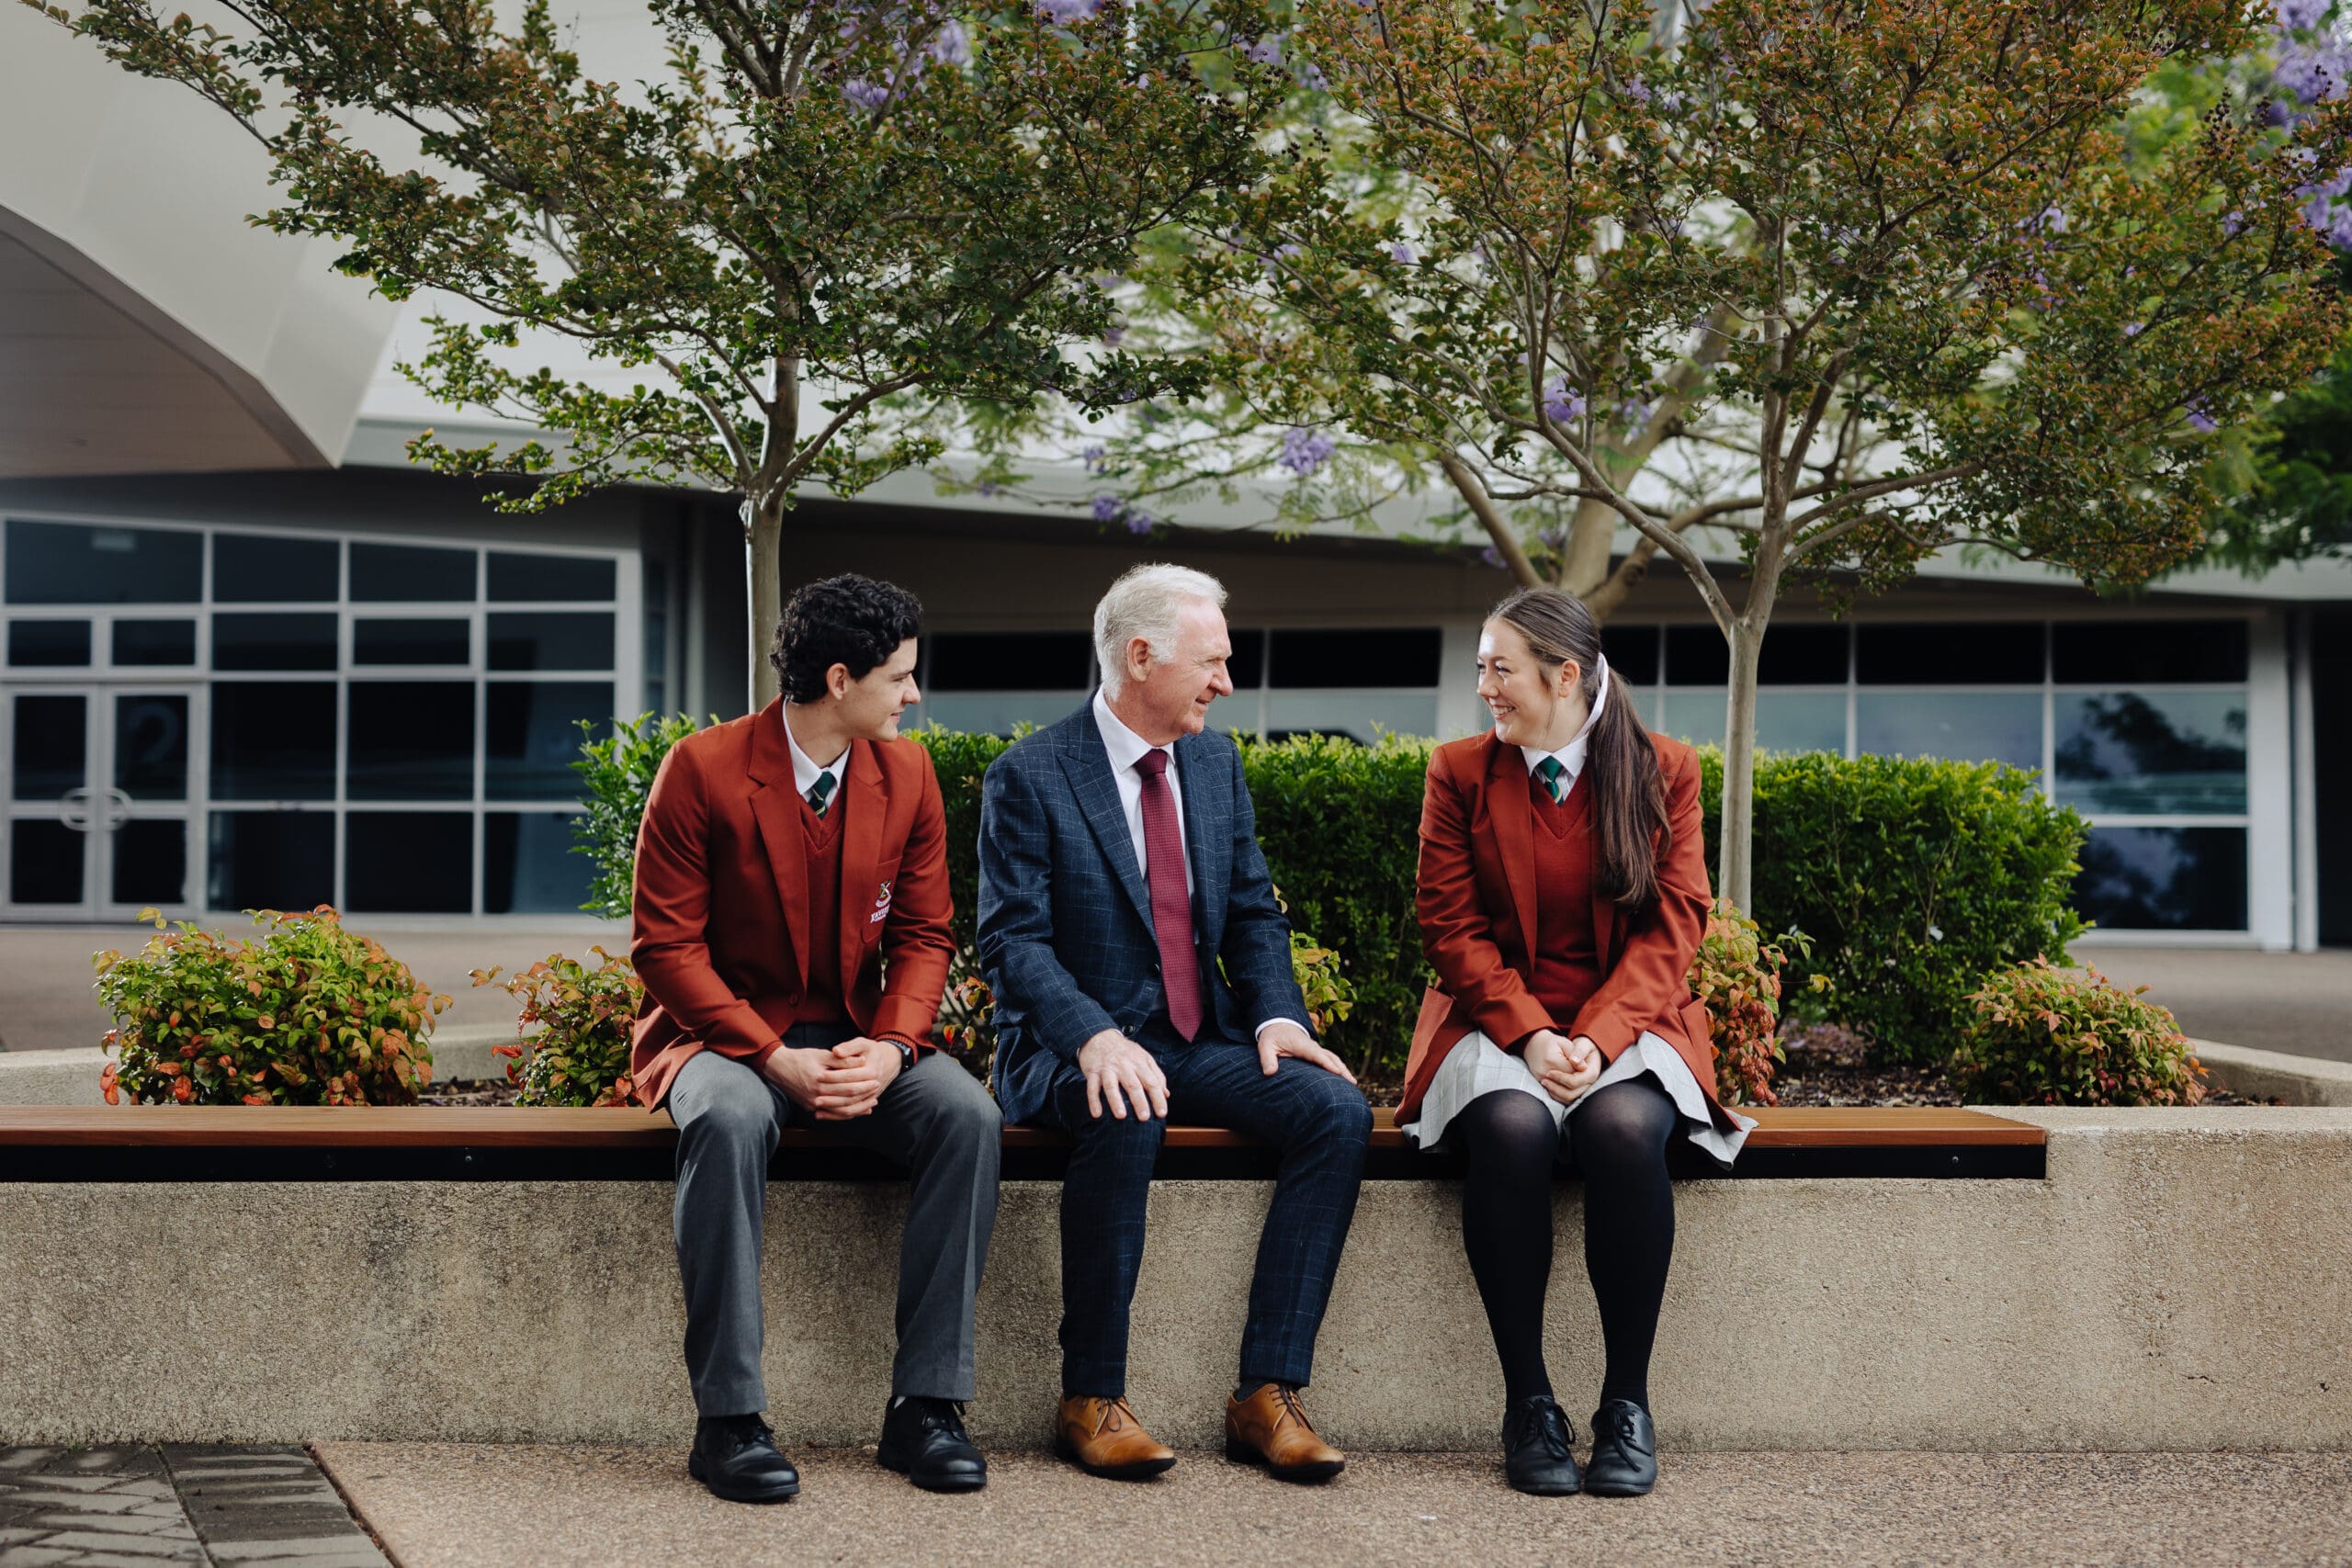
[822,227]
[1888,269]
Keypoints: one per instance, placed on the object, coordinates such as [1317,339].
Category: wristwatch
[906,1055]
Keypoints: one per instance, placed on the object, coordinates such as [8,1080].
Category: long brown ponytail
[1628,795]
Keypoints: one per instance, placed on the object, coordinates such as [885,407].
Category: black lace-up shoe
[737,1458]
[1539,1447]
[924,1441]
[1624,1450]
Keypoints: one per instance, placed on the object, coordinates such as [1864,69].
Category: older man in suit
[1142,969]
[792,930]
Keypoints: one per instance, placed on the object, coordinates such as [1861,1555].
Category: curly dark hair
[848,620]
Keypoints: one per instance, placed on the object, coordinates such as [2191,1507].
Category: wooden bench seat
[506,1143]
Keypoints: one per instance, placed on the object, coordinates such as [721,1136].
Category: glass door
[101,801]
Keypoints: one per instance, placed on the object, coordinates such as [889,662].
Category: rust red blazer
[1477,911]
[723,897]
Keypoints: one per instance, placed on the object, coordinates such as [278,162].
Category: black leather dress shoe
[924,1441]
[1539,1447]
[1624,1450]
[737,1458]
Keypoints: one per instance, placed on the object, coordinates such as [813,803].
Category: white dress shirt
[807,770]
[1571,756]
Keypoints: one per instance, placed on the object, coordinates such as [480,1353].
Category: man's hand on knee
[1122,1074]
[838,1085]
[1283,1038]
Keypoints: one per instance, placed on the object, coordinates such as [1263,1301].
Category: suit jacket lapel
[1511,813]
[869,806]
[776,805]
[1208,821]
[1087,763]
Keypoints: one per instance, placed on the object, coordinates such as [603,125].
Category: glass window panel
[1398,656]
[550,639]
[1632,653]
[1932,653]
[49,645]
[272,568]
[151,741]
[409,862]
[411,641]
[273,740]
[1968,727]
[52,748]
[2150,753]
[994,713]
[1248,665]
[151,643]
[1696,716]
[393,574]
[150,860]
[246,640]
[540,579]
[45,862]
[2163,879]
[1009,662]
[528,866]
[1801,721]
[1697,656]
[1363,715]
[657,634]
[65,563]
[535,735]
[2147,652]
[1801,656]
[410,740]
[269,860]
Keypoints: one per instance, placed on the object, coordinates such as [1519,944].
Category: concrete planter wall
[2178,1281]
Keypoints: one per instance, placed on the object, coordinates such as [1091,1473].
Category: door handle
[119,799]
[75,807]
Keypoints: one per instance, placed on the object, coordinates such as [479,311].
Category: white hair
[1146,603]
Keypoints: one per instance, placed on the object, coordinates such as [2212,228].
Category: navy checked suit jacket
[1066,938]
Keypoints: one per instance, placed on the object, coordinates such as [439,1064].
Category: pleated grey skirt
[1477,1066]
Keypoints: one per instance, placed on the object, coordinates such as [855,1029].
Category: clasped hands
[1564,1067]
[838,1085]
[1124,1076]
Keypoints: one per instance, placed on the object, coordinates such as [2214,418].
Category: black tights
[1618,1144]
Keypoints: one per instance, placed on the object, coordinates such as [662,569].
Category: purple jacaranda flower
[987,488]
[1092,457]
[1560,405]
[1402,254]
[2050,219]
[1067,11]
[2232,224]
[950,45]
[1633,413]
[1672,101]
[1306,450]
[1267,50]
[2328,211]
[1492,557]
[2312,72]
[1108,508]
[1636,89]
[1141,521]
[1553,538]
[2133,329]
[1310,76]
[1112,337]
[2200,418]
[1281,253]
[867,96]
[1107,281]
[2296,16]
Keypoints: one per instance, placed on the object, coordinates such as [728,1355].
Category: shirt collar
[1571,756]
[806,769]
[1125,747]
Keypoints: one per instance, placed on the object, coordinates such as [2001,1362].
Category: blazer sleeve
[1255,944]
[1455,932]
[919,938]
[1035,995]
[671,906]
[1652,975]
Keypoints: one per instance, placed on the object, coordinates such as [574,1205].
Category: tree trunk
[1734,872]
[763,563]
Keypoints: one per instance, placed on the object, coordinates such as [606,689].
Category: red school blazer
[1476,900]
[723,897]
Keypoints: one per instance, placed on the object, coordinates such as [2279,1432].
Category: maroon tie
[1171,908]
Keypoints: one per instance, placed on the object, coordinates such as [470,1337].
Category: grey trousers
[934,1119]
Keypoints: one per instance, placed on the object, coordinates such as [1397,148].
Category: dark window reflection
[45,862]
[411,641]
[1933,653]
[1696,656]
[2163,878]
[2142,653]
[65,563]
[550,639]
[150,861]
[1801,655]
[411,740]
[1404,656]
[528,866]
[2152,753]
[409,862]
[1009,662]
[53,645]
[154,642]
[247,640]
[273,740]
[391,574]
[1247,667]
[546,578]
[52,746]
[262,568]
[1632,653]
[270,860]
[533,735]
[151,745]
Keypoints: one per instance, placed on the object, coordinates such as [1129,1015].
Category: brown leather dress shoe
[1269,1427]
[1102,1437]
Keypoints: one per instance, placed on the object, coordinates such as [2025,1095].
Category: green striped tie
[820,793]
[1555,779]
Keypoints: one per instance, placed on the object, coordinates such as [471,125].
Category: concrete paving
[2299,1003]
[459,1506]
[46,1003]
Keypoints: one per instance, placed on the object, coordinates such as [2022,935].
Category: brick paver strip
[269,1504]
[104,1507]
